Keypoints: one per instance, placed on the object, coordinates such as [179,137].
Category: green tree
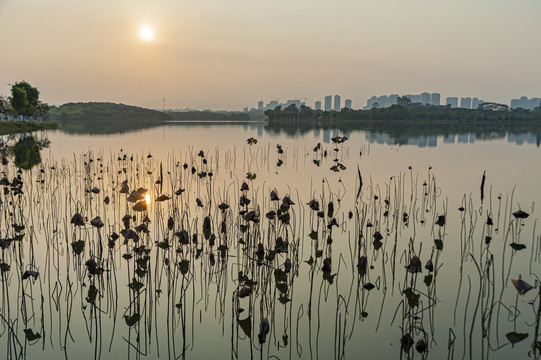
[41,111]
[291,108]
[492,106]
[24,100]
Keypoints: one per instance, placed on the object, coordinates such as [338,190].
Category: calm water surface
[351,279]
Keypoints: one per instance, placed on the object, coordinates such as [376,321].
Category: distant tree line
[104,117]
[105,111]
[23,103]
[404,110]
[401,131]
[207,115]
[292,112]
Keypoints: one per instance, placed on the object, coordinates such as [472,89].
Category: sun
[146,33]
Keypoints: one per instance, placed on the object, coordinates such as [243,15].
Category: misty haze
[285,180]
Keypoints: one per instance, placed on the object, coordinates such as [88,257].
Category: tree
[291,108]
[5,107]
[492,106]
[520,110]
[402,100]
[24,101]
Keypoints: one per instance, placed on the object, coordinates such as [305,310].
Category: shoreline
[15,127]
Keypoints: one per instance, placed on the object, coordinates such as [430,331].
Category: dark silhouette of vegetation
[156,281]
[492,106]
[23,150]
[5,108]
[26,152]
[406,112]
[403,100]
[292,112]
[14,127]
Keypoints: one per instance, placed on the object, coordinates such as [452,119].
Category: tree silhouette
[402,100]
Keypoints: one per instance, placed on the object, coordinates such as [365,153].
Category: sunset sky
[230,54]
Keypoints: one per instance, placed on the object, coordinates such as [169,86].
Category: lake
[257,242]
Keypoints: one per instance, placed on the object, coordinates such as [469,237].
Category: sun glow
[147,199]
[146,33]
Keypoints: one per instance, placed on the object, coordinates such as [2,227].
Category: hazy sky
[227,54]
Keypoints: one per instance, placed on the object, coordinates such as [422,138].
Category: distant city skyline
[332,101]
[201,55]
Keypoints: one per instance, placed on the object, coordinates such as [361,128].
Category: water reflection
[234,254]
[396,133]
[464,138]
[24,149]
[418,135]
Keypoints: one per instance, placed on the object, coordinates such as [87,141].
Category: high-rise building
[328,103]
[272,104]
[336,102]
[525,103]
[465,103]
[517,103]
[414,98]
[370,103]
[260,105]
[317,105]
[382,101]
[474,103]
[435,99]
[453,101]
[347,103]
[425,98]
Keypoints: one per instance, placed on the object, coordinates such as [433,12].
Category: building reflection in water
[462,138]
